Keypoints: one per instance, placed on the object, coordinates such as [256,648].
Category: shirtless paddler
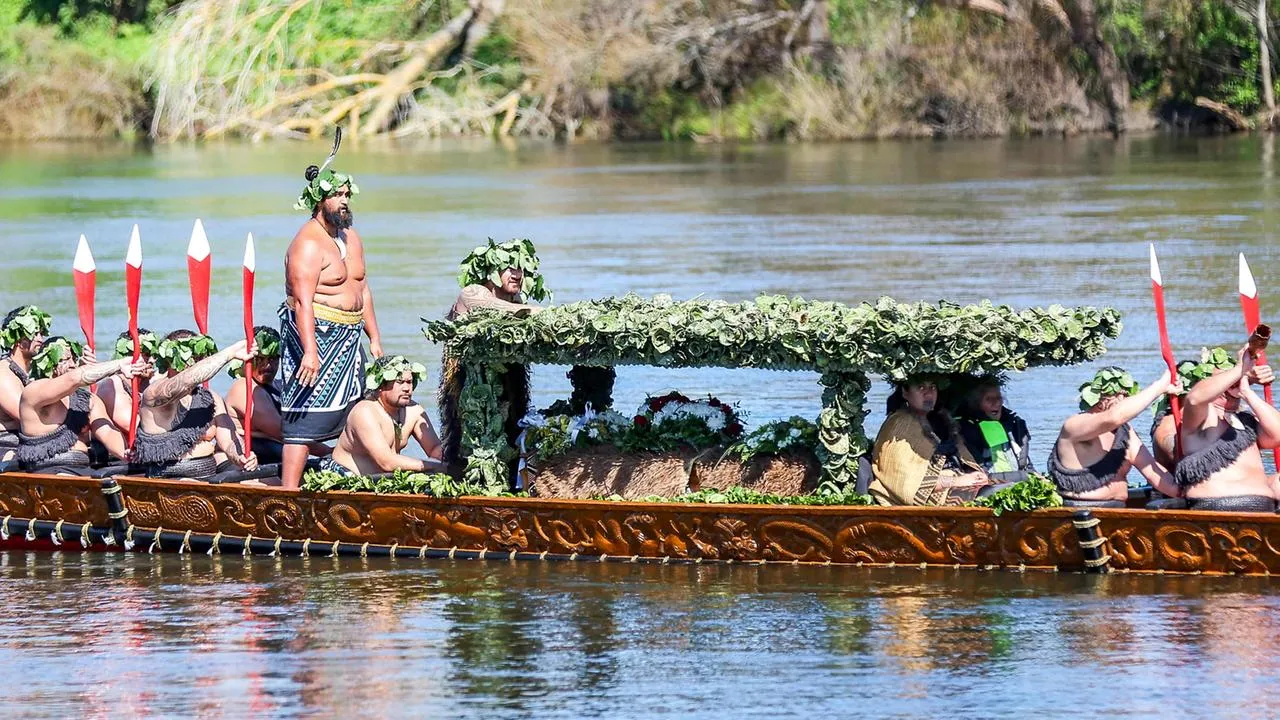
[327,305]
[1224,423]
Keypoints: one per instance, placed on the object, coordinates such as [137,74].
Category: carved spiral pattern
[190,510]
[1139,541]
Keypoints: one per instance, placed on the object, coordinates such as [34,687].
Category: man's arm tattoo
[169,389]
[90,374]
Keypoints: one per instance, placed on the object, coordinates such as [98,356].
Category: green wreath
[124,346]
[389,368]
[29,322]
[268,342]
[178,355]
[1108,381]
[486,263]
[54,351]
[325,184]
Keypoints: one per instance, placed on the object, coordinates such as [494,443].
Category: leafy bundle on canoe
[843,343]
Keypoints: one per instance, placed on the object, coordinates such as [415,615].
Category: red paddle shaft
[1166,350]
[133,291]
[1252,319]
[250,263]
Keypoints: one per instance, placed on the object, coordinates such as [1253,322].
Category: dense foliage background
[675,69]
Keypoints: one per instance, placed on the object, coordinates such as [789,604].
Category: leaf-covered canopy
[888,338]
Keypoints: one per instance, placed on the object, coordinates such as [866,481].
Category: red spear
[132,291]
[85,272]
[250,269]
[1253,318]
[199,268]
[1166,349]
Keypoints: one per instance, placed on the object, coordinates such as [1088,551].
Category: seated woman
[380,426]
[919,457]
[1221,468]
[268,430]
[60,416]
[1091,459]
[997,437]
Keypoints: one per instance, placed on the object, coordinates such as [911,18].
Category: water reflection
[225,635]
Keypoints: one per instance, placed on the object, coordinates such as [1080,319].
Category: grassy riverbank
[596,69]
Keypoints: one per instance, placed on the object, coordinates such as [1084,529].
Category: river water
[1027,222]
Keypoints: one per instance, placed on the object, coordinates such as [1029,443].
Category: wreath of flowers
[1107,382]
[28,323]
[389,368]
[719,417]
[54,351]
[178,355]
[486,263]
[793,434]
[124,346]
[267,341]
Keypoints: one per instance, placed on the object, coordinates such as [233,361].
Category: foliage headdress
[323,181]
[267,340]
[389,368]
[55,350]
[1106,382]
[146,338]
[23,323]
[1192,372]
[486,263]
[179,353]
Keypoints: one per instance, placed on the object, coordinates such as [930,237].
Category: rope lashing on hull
[1091,542]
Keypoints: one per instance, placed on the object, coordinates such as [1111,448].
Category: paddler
[60,416]
[1094,451]
[493,277]
[1221,466]
[182,425]
[116,394]
[328,304]
[21,335]
[1190,372]
[268,438]
[380,427]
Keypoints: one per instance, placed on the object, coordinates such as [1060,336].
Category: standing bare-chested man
[21,336]
[328,303]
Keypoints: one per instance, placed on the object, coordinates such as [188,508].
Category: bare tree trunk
[1264,56]
[1115,86]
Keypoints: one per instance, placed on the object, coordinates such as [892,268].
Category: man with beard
[268,437]
[328,304]
[380,426]
[60,416]
[919,456]
[21,336]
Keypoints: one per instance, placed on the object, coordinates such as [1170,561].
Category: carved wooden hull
[194,516]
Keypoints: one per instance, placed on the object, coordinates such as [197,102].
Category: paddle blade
[1249,297]
[199,271]
[133,285]
[1155,267]
[85,273]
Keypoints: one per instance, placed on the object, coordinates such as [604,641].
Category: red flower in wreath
[655,404]
[715,402]
[733,429]
[640,421]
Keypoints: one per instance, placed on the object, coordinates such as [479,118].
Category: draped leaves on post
[843,343]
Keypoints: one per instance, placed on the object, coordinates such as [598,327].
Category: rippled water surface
[1023,222]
